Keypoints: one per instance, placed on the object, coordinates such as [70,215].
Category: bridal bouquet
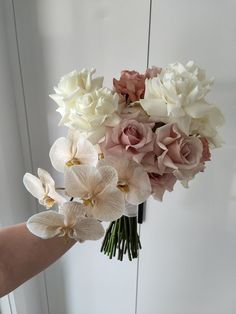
[123,145]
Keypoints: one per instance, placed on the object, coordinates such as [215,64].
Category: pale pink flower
[130,86]
[161,183]
[130,137]
[97,188]
[72,150]
[185,175]
[173,150]
[206,154]
[70,222]
[133,180]
[43,188]
[152,72]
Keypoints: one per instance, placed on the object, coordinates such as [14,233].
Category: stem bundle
[122,238]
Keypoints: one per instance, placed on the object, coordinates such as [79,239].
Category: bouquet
[123,145]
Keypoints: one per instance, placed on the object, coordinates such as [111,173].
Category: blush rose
[131,137]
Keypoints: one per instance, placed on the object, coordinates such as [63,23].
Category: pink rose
[173,150]
[131,137]
[152,72]
[206,154]
[130,86]
[161,183]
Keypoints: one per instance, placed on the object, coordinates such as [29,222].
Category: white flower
[133,180]
[72,150]
[71,86]
[206,125]
[93,112]
[97,188]
[177,95]
[70,222]
[43,188]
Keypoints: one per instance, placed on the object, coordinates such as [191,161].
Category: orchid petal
[72,211]
[45,224]
[88,229]
[60,153]
[109,177]
[45,177]
[109,205]
[139,187]
[80,179]
[34,185]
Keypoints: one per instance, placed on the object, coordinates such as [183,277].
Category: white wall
[188,261]
[191,266]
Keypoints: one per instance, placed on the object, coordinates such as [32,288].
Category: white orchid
[177,95]
[70,87]
[69,222]
[133,180]
[97,188]
[43,188]
[72,150]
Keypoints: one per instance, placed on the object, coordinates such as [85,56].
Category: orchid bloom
[69,222]
[133,180]
[72,150]
[97,188]
[43,188]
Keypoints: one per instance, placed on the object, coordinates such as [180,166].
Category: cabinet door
[188,261]
[54,38]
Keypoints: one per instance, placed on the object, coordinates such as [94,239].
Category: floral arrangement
[123,145]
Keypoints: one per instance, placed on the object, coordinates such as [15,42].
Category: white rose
[177,95]
[70,87]
[93,112]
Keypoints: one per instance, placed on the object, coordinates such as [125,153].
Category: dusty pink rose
[206,154]
[158,161]
[173,150]
[185,175]
[152,72]
[131,137]
[161,183]
[131,85]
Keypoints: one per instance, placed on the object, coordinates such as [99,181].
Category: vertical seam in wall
[23,90]
[27,123]
[147,65]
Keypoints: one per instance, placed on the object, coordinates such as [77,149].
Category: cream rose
[93,112]
[71,86]
[178,95]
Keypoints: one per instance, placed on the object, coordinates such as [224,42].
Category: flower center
[123,187]
[73,162]
[89,202]
[100,156]
[48,201]
[66,232]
